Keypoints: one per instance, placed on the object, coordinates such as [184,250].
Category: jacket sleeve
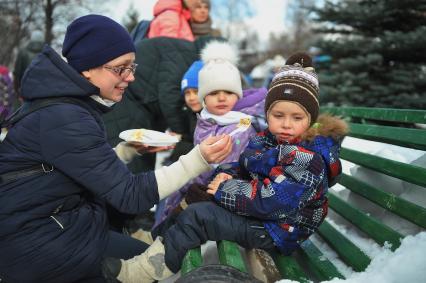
[279,195]
[75,145]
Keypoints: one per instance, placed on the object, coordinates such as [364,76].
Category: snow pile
[410,192]
[406,264]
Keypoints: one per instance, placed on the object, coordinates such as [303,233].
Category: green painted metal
[229,254]
[410,173]
[372,227]
[191,261]
[289,268]
[383,114]
[413,138]
[347,250]
[399,206]
[318,263]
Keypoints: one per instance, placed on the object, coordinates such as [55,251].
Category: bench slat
[348,251]
[289,268]
[191,261]
[372,227]
[383,114]
[229,254]
[413,138]
[318,263]
[410,173]
[399,206]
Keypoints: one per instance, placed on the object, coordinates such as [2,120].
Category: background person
[201,22]
[171,19]
[25,56]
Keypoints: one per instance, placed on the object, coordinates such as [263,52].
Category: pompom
[219,50]
[300,58]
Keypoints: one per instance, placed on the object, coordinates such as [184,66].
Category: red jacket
[171,20]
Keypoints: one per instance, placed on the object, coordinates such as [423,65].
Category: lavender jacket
[252,103]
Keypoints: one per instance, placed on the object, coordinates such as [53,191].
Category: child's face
[220,102]
[287,120]
[191,99]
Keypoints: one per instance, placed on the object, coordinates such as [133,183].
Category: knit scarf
[199,29]
[232,117]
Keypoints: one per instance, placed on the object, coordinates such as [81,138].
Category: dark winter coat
[53,226]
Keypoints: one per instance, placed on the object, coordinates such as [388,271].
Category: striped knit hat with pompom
[297,82]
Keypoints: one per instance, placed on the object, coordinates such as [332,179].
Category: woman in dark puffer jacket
[58,171]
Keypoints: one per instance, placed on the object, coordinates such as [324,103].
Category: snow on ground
[406,265]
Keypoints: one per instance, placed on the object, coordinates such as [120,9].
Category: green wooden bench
[391,126]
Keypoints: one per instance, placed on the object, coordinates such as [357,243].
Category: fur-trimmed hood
[327,126]
[325,137]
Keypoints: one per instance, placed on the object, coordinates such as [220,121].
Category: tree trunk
[48,24]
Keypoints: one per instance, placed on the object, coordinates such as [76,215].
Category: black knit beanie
[94,40]
[296,81]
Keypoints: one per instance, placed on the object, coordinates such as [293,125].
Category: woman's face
[220,102]
[113,77]
[287,120]
[200,12]
[191,99]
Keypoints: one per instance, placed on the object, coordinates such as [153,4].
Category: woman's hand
[214,185]
[215,149]
[142,148]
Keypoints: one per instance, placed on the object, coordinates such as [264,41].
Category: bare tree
[232,12]
[16,20]
[57,14]
[19,17]
[132,18]
[299,15]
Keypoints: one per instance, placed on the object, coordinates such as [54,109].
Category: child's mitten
[197,193]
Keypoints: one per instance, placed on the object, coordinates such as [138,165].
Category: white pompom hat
[219,71]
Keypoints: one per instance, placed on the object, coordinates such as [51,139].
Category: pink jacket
[171,20]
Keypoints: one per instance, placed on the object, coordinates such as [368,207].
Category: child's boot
[146,267]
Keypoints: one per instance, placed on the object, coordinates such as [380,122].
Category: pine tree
[378,55]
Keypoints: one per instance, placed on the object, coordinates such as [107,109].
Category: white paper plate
[148,137]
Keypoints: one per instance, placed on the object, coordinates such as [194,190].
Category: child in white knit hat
[219,91]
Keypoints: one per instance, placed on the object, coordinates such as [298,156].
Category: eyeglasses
[123,72]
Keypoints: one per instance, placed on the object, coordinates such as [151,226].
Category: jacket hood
[250,98]
[325,138]
[163,5]
[328,126]
[50,76]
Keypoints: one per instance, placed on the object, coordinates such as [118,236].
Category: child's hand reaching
[214,185]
